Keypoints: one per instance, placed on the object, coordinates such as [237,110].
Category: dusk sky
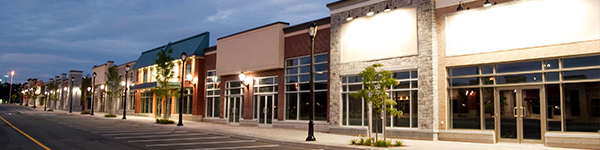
[45,38]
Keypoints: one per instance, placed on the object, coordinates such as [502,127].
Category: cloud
[221,15]
[37,58]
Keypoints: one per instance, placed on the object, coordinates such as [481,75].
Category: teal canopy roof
[192,46]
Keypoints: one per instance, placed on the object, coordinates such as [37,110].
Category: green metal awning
[192,46]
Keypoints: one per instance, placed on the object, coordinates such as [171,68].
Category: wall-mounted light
[487,3]
[371,12]
[245,80]
[461,4]
[349,18]
[387,8]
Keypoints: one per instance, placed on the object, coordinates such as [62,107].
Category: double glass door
[266,108]
[234,109]
[520,113]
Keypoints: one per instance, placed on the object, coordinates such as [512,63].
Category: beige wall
[255,50]
[100,74]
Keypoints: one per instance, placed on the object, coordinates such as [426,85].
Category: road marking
[126,131]
[237,147]
[200,143]
[117,134]
[40,144]
[133,137]
[198,138]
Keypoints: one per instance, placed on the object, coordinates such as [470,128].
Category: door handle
[524,111]
[515,112]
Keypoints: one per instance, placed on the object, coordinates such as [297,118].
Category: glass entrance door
[267,109]
[234,109]
[520,115]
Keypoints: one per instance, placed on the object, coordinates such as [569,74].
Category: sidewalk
[293,137]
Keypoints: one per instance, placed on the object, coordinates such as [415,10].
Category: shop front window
[297,88]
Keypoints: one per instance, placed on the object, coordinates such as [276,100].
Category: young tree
[53,94]
[375,83]
[164,74]
[32,93]
[113,87]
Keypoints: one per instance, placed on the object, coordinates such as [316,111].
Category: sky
[45,38]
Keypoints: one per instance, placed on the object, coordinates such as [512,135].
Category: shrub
[50,110]
[398,143]
[353,141]
[164,121]
[110,115]
[367,142]
[383,143]
[85,112]
[33,107]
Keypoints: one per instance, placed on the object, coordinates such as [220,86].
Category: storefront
[520,72]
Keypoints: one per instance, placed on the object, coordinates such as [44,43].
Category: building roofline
[172,43]
[210,49]
[304,26]
[278,22]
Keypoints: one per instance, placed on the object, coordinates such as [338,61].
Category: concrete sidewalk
[293,137]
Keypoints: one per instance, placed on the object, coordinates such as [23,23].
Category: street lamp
[71,96]
[183,56]
[125,95]
[312,32]
[93,83]
[102,97]
[12,73]
[47,97]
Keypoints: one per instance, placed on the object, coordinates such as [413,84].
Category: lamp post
[12,73]
[125,95]
[93,83]
[47,96]
[183,57]
[71,96]
[312,32]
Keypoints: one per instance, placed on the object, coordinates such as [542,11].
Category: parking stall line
[177,139]
[143,133]
[202,143]
[126,131]
[133,137]
[235,147]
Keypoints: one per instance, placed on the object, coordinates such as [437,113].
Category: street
[62,131]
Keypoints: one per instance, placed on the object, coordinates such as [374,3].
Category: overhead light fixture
[461,4]
[349,18]
[370,13]
[387,8]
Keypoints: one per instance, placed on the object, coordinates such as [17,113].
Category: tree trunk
[377,127]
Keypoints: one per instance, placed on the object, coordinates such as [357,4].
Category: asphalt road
[61,131]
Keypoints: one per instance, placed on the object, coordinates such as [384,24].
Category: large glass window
[187,101]
[582,106]
[355,110]
[213,93]
[571,86]
[464,106]
[297,76]
[146,100]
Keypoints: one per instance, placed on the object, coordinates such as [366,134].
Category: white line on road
[200,143]
[198,138]
[236,147]
[143,133]
[125,131]
[133,137]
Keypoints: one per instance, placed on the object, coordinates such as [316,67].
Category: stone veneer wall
[423,59]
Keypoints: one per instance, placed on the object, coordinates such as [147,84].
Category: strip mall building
[524,71]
